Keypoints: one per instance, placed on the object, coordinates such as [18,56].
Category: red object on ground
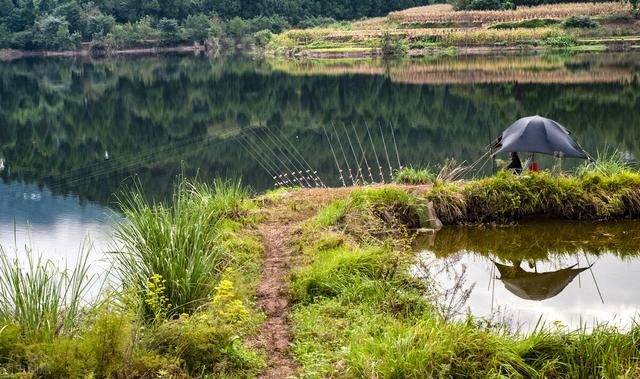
[533,166]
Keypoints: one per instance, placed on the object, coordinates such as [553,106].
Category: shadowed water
[570,272]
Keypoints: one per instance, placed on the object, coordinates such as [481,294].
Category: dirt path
[272,294]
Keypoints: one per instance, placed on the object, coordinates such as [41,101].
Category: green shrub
[181,243]
[393,45]
[579,22]
[527,24]
[334,271]
[262,37]
[560,42]
[481,5]
[409,175]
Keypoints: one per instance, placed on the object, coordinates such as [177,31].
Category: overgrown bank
[183,307]
[359,312]
[190,270]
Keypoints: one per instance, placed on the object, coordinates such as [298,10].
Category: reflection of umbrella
[537,134]
[534,285]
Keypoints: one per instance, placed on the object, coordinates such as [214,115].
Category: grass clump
[44,301]
[596,193]
[409,175]
[181,243]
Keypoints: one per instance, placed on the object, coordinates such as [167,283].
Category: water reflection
[575,273]
[54,226]
[74,130]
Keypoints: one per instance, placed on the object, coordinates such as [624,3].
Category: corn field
[444,13]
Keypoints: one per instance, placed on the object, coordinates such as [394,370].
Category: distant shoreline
[85,51]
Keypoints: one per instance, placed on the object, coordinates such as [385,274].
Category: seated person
[516,164]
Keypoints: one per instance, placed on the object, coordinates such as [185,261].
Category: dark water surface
[74,131]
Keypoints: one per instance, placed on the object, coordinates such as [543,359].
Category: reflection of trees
[541,240]
[59,116]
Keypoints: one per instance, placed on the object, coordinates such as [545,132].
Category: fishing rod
[278,146]
[334,156]
[363,153]
[385,150]
[343,154]
[278,176]
[296,151]
[272,175]
[359,173]
[374,152]
[287,168]
[396,146]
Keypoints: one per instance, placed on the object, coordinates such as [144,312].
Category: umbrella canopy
[536,286]
[537,134]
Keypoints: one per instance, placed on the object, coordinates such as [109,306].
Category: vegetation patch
[184,307]
[359,313]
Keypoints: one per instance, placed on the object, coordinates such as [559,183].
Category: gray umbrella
[535,134]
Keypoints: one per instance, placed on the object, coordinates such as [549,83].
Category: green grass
[46,302]
[592,195]
[180,242]
[191,321]
[359,313]
[409,175]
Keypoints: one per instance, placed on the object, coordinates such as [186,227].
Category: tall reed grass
[43,300]
[177,243]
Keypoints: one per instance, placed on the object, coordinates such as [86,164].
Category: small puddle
[568,273]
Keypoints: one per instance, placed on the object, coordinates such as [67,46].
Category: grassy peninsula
[304,282]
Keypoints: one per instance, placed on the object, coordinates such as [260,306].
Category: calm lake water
[572,272]
[75,131]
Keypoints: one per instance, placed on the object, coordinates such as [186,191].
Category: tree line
[64,24]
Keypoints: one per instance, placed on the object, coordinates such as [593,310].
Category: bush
[52,32]
[179,244]
[527,24]
[560,41]
[409,175]
[481,5]
[169,30]
[197,28]
[314,22]
[579,22]
[393,45]
[98,25]
[262,38]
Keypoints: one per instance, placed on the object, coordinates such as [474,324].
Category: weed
[44,301]
[409,175]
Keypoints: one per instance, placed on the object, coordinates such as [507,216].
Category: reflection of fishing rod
[594,278]
[334,156]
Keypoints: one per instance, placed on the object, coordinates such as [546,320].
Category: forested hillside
[63,24]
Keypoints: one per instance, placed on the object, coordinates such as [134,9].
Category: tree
[197,28]
[169,30]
